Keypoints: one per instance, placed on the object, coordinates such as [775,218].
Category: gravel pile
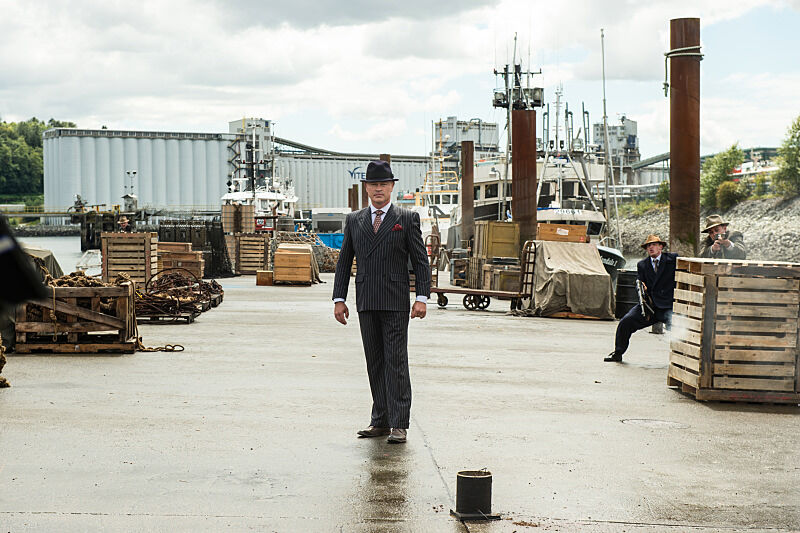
[771,228]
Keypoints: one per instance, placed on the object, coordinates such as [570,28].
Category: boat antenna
[609,170]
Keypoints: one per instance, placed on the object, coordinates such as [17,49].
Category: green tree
[716,171]
[729,194]
[662,196]
[787,178]
[21,155]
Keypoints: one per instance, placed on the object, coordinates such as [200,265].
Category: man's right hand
[340,312]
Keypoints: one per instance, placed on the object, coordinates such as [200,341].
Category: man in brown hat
[657,273]
[720,244]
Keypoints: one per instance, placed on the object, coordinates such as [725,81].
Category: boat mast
[609,169]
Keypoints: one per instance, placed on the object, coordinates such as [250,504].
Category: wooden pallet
[252,253]
[735,331]
[88,320]
[134,254]
[216,299]
[168,319]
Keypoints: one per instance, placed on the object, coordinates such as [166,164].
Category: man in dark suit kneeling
[657,273]
[383,238]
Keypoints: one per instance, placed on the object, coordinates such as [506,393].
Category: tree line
[21,169]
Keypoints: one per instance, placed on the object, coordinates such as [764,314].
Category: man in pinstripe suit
[383,238]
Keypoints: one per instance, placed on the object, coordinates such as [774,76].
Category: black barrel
[626,292]
[474,492]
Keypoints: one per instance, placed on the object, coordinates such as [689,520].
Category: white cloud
[197,64]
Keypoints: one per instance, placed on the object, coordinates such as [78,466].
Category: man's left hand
[726,243]
[418,310]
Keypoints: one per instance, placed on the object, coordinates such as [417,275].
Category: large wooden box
[494,238]
[735,330]
[133,254]
[561,232]
[293,263]
[179,255]
[87,320]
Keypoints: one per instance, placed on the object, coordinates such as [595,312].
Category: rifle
[645,302]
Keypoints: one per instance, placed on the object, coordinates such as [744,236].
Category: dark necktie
[377,223]
[655,265]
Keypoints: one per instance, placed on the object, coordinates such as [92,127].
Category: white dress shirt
[653,261]
[384,210]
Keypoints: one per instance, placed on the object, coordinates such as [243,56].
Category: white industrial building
[183,170]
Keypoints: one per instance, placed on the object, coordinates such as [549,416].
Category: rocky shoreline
[771,228]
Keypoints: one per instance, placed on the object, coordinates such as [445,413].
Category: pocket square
[397,227]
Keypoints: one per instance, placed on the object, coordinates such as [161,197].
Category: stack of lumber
[80,315]
[735,330]
[561,232]
[179,255]
[132,254]
[295,263]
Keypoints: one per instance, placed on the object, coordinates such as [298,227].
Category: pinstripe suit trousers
[385,338]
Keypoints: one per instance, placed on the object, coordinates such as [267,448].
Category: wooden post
[684,138]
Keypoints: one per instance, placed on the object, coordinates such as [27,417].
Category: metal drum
[626,292]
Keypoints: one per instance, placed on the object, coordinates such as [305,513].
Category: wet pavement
[253,428]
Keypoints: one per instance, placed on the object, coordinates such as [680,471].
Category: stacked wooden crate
[179,255]
[561,232]
[87,320]
[133,254]
[293,263]
[238,218]
[253,250]
[735,330]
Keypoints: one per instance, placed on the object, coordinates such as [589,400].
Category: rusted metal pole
[467,191]
[352,197]
[523,173]
[684,138]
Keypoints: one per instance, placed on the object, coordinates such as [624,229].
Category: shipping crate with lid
[293,263]
[735,330]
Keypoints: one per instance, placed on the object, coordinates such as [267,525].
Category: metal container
[626,292]
[474,496]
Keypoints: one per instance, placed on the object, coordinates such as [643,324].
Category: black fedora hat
[379,171]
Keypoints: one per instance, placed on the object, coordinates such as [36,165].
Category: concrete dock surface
[253,428]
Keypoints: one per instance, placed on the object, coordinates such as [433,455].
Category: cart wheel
[483,302]
[441,300]
[470,302]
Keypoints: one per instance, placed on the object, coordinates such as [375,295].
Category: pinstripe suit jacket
[382,282]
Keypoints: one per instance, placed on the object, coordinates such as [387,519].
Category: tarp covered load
[7,314]
[571,277]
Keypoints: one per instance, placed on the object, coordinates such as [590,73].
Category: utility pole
[513,97]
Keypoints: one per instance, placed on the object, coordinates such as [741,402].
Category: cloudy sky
[370,76]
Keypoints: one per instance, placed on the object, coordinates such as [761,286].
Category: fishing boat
[274,198]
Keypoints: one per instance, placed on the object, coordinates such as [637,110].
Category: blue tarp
[331,240]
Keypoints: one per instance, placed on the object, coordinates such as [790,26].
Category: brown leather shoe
[373,431]
[397,436]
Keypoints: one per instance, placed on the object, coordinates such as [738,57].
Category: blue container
[331,240]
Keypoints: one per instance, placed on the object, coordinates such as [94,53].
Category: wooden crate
[475,272]
[735,330]
[174,247]
[252,253]
[561,232]
[494,238]
[88,320]
[232,245]
[134,254]
[238,218]
[264,277]
[293,263]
